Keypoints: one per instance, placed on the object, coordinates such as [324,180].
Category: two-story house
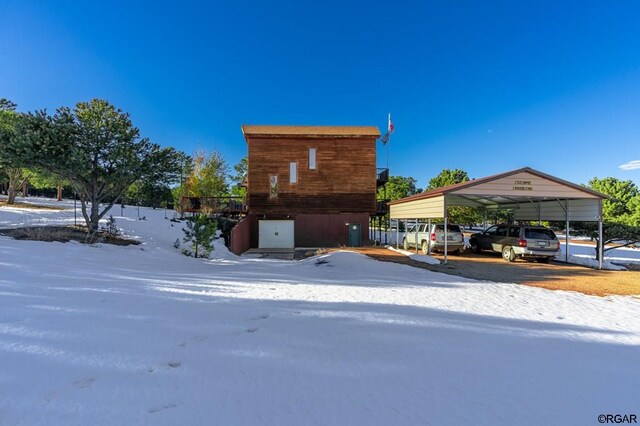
[308,186]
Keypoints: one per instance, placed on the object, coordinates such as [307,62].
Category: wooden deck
[214,205]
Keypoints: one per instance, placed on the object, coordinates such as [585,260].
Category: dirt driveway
[554,276]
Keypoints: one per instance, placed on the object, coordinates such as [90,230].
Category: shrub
[199,235]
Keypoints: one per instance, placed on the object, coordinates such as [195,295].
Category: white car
[434,238]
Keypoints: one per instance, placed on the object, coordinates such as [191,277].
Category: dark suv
[513,241]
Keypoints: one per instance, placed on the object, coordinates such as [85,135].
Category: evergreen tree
[241,169]
[619,207]
[456,214]
[149,194]
[447,177]
[44,180]
[633,218]
[96,147]
[398,187]
[620,234]
[10,167]
[199,235]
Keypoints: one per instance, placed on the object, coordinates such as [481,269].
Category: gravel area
[553,276]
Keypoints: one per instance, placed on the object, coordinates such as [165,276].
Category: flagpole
[387,156]
[387,218]
[388,133]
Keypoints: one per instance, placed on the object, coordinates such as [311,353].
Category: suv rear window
[539,234]
[514,231]
[450,228]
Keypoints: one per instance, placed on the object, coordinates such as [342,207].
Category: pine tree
[12,169]
[97,148]
[199,235]
[241,170]
[456,214]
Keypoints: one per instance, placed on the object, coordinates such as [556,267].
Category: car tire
[508,254]
[405,244]
[475,247]
[425,247]
[544,260]
[456,252]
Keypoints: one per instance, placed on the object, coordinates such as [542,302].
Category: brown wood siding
[241,235]
[291,203]
[344,179]
[328,230]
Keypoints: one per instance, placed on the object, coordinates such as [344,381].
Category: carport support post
[600,239]
[566,236]
[387,228]
[565,207]
[445,236]
[397,233]
[429,237]
[539,213]
[417,236]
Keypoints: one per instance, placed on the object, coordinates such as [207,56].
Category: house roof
[311,131]
[471,183]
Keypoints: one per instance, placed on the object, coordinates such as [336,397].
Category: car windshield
[539,234]
[450,228]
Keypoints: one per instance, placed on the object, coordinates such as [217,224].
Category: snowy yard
[143,335]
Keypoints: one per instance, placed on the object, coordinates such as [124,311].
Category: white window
[293,172]
[312,158]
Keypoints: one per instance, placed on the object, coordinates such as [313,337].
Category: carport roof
[496,198]
[532,195]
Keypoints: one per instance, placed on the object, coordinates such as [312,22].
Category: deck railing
[381,207]
[213,205]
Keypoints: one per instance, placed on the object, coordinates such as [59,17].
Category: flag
[385,138]
[390,128]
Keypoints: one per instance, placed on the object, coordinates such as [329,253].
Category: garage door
[275,234]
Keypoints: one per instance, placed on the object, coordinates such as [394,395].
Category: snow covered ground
[143,335]
[419,257]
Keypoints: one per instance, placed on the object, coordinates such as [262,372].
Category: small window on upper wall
[273,186]
[312,158]
[293,172]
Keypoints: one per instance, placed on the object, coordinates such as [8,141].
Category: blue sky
[483,86]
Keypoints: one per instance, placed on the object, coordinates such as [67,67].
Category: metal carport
[532,195]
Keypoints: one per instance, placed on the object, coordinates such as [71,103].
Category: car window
[450,228]
[502,231]
[539,234]
[492,230]
[514,231]
[412,229]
